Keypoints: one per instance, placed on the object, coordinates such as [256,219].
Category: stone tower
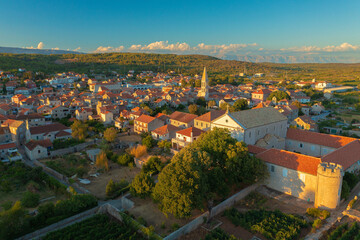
[329,182]
[204,92]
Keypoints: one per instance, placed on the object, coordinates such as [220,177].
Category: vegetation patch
[271,224]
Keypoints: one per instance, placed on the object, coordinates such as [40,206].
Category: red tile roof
[7,145]
[32,144]
[345,156]
[145,119]
[165,129]
[48,128]
[291,160]
[182,117]
[208,117]
[322,139]
[255,149]
[187,132]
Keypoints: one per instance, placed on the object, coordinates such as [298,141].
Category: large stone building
[252,125]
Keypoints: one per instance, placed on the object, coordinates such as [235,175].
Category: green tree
[148,141]
[224,106]
[110,134]
[125,159]
[142,185]
[30,199]
[280,95]
[79,130]
[193,108]
[166,145]
[240,104]
[152,166]
[211,103]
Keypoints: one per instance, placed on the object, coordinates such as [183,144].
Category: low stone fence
[51,171]
[64,223]
[197,222]
[76,148]
[231,201]
[103,209]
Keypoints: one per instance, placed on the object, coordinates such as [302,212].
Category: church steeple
[204,92]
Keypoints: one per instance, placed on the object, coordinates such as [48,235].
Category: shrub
[317,224]
[7,205]
[153,166]
[5,186]
[30,199]
[345,190]
[102,161]
[142,185]
[338,232]
[113,188]
[219,234]
[148,141]
[138,151]
[317,213]
[175,226]
[352,202]
[125,159]
[351,233]
[165,145]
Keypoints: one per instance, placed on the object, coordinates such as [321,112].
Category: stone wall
[197,222]
[73,149]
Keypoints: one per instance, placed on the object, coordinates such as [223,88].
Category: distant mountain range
[271,57]
[15,50]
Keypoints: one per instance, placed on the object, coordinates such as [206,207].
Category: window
[285,172]
[325,151]
[226,120]
[301,145]
[272,169]
[39,151]
[312,148]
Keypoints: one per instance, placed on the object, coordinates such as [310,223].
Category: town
[180,155]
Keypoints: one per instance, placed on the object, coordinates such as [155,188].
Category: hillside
[15,50]
[186,64]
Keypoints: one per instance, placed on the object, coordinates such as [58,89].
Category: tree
[279,95]
[240,104]
[102,161]
[166,145]
[125,159]
[193,108]
[181,185]
[211,103]
[30,199]
[148,141]
[207,168]
[110,134]
[201,101]
[153,166]
[79,130]
[224,106]
[142,185]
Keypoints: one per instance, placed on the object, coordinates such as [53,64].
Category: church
[204,92]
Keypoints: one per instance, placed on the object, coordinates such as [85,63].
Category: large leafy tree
[207,168]
[79,130]
[182,184]
[142,185]
[240,104]
[280,95]
[110,134]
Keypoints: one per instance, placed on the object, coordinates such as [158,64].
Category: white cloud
[340,48]
[109,49]
[40,45]
[56,48]
[162,45]
[77,49]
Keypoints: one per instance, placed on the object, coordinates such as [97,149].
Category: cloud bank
[344,52]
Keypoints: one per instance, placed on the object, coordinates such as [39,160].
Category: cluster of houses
[282,133]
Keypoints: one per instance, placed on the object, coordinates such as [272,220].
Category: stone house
[146,123]
[185,137]
[166,132]
[182,120]
[37,149]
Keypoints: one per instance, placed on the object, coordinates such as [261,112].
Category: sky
[227,29]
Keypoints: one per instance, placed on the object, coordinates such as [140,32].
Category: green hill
[186,64]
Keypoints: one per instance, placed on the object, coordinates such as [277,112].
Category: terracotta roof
[255,149]
[263,91]
[182,117]
[291,160]
[145,119]
[48,128]
[62,134]
[321,139]
[208,117]
[165,129]
[7,145]
[346,156]
[44,143]
[187,132]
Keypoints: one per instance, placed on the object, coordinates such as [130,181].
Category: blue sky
[274,26]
